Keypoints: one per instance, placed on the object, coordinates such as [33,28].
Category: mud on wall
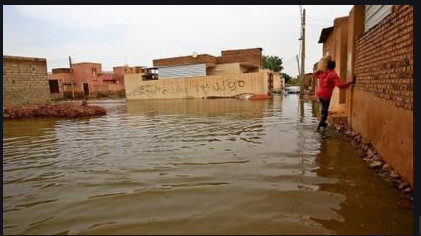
[382,100]
[196,87]
[388,128]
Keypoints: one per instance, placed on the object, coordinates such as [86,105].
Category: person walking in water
[327,80]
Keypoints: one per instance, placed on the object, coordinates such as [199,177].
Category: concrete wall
[328,45]
[388,128]
[196,87]
[108,87]
[225,69]
[120,71]
[339,54]
[25,81]
[382,103]
[355,31]
[278,82]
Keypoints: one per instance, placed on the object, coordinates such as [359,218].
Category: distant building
[57,80]
[374,44]
[89,80]
[230,62]
[236,73]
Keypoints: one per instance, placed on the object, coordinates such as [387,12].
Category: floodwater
[192,166]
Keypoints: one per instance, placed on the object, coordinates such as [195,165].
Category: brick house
[335,42]
[89,80]
[230,62]
[24,80]
[379,52]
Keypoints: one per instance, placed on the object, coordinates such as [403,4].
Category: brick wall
[24,81]
[203,58]
[384,58]
[253,55]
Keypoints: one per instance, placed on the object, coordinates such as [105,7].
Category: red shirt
[327,82]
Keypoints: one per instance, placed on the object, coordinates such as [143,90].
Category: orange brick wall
[381,106]
[384,58]
[253,55]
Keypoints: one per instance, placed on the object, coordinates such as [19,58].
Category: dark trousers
[325,108]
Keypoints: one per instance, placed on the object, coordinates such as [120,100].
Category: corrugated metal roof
[374,14]
[192,70]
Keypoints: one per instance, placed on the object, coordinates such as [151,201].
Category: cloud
[136,35]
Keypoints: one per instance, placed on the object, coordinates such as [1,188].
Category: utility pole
[298,66]
[303,47]
[72,81]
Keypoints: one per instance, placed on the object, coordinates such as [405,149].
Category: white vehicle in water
[292,90]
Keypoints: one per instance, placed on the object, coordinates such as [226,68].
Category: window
[54,88]
[374,14]
[94,71]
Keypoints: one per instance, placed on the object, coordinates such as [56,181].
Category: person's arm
[338,83]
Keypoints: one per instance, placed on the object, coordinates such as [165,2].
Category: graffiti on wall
[220,86]
[225,85]
[153,89]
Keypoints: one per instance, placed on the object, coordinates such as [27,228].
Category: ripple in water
[192,166]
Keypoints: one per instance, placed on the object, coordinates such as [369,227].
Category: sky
[135,35]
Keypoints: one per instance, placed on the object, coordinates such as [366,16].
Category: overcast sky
[135,35]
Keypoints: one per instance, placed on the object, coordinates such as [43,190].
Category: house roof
[324,34]
[82,63]
[241,49]
[7,57]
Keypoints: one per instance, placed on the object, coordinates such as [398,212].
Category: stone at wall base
[368,153]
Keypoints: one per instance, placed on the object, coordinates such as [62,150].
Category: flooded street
[194,166]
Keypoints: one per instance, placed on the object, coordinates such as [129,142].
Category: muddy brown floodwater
[192,166]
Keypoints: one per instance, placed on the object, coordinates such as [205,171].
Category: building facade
[335,43]
[25,81]
[87,79]
[234,73]
[381,106]
[230,62]
[378,42]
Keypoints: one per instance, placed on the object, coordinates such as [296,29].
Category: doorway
[85,89]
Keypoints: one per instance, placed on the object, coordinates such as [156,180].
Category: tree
[286,77]
[273,63]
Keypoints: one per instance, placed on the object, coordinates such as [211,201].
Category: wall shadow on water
[367,208]
[230,108]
